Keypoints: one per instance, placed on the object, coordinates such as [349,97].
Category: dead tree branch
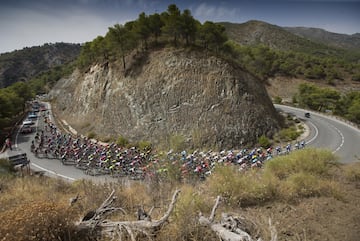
[119,228]
[232,228]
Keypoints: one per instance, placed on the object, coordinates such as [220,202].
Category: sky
[27,23]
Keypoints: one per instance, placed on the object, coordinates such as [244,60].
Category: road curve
[325,132]
[330,133]
[53,167]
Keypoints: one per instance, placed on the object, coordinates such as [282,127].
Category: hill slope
[204,99]
[22,65]
[258,32]
[332,39]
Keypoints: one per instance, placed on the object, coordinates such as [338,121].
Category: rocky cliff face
[205,99]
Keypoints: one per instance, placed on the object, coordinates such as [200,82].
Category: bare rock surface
[205,99]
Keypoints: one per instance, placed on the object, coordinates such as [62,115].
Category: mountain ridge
[22,65]
[256,32]
[346,41]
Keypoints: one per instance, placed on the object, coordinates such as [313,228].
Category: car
[25,129]
[32,115]
[307,115]
[42,108]
[27,122]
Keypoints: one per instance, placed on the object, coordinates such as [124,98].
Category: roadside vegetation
[330,100]
[39,206]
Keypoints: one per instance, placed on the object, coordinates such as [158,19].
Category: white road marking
[316,133]
[52,172]
[342,137]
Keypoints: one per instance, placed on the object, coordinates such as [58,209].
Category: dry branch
[231,228]
[118,228]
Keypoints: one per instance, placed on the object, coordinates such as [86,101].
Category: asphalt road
[325,132]
[52,167]
[330,133]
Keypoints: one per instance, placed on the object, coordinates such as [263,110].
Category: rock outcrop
[205,99]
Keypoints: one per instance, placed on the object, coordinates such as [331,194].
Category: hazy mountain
[257,32]
[332,39]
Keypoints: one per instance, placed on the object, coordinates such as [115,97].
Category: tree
[142,28]
[121,41]
[212,35]
[99,48]
[172,22]
[317,98]
[188,26]
[155,25]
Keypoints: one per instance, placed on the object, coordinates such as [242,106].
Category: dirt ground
[316,218]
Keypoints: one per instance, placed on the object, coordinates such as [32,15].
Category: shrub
[177,143]
[277,100]
[289,134]
[122,141]
[301,174]
[352,172]
[264,141]
[144,145]
[5,167]
[91,135]
[313,161]
[43,220]
[238,188]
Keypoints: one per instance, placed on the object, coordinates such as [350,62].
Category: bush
[44,220]
[5,167]
[277,100]
[91,135]
[264,141]
[177,143]
[301,174]
[122,141]
[144,145]
[289,134]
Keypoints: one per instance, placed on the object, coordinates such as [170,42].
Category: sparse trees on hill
[173,26]
[172,20]
[212,35]
[155,25]
[142,28]
[189,27]
[121,41]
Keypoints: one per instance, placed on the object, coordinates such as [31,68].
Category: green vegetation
[170,27]
[327,99]
[264,141]
[289,134]
[25,64]
[304,173]
[12,102]
[44,82]
[122,141]
[5,167]
[266,62]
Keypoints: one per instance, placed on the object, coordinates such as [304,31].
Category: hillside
[170,93]
[22,65]
[258,32]
[345,41]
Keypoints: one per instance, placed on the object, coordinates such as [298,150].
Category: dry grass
[39,207]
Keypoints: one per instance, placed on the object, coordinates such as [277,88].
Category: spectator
[8,143]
